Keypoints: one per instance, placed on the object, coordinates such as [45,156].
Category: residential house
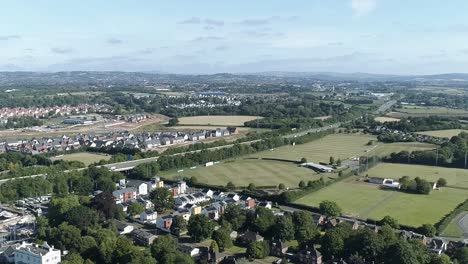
[143,237]
[266,205]
[184,213]
[438,246]
[278,248]
[124,195]
[309,256]
[164,223]
[249,237]
[140,186]
[149,216]
[122,227]
[31,253]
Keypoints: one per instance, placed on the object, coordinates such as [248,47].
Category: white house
[164,223]
[140,186]
[149,216]
[31,253]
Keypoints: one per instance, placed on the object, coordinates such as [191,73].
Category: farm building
[391,183]
[318,167]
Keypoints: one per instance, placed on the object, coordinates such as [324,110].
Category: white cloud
[363,7]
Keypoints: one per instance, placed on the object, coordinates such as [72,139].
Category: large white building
[31,253]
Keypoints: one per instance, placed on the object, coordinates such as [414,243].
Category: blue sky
[208,36]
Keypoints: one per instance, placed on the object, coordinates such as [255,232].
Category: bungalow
[143,237]
[149,216]
[122,227]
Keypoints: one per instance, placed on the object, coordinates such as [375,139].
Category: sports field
[341,146]
[448,133]
[216,120]
[406,111]
[362,200]
[454,177]
[85,157]
[244,171]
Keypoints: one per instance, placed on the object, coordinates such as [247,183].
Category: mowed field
[425,111]
[448,133]
[244,171]
[216,120]
[341,146]
[85,157]
[383,119]
[458,227]
[454,177]
[368,201]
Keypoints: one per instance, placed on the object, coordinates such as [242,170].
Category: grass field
[383,119]
[365,201]
[453,229]
[244,171]
[383,150]
[216,120]
[406,111]
[448,133]
[454,177]
[341,146]
[85,157]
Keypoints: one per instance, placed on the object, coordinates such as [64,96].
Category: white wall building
[26,253]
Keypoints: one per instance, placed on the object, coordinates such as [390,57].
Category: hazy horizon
[206,37]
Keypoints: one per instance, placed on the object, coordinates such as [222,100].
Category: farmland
[454,177]
[406,111]
[85,157]
[383,119]
[448,133]
[364,201]
[244,171]
[216,120]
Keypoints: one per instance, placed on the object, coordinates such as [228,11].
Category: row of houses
[42,112]
[144,141]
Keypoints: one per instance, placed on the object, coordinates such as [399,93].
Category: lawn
[453,229]
[454,177]
[85,157]
[367,201]
[216,120]
[448,133]
[244,171]
[341,146]
[385,149]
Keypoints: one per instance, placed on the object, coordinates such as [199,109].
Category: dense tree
[264,220]
[258,250]
[251,187]
[284,228]
[230,186]
[441,182]
[390,221]
[82,216]
[427,230]
[461,255]
[135,209]
[235,215]
[178,225]
[305,230]
[105,204]
[200,227]
[58,207]
[330,208]
[222,238]
[162,199]
[302,184]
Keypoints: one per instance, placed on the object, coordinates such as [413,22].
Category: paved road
[385,106]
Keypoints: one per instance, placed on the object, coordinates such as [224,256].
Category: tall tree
[200,227]
[162,199]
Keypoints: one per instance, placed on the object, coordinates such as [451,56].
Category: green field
[448,133]
[453,229]
[383,149]
[365,201]
[244,171]
[216,120]
[341,146]
[409,110]
[85,157]
[454,177]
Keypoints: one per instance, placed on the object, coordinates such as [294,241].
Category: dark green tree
[200,227]
[330,209]
[162,199]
